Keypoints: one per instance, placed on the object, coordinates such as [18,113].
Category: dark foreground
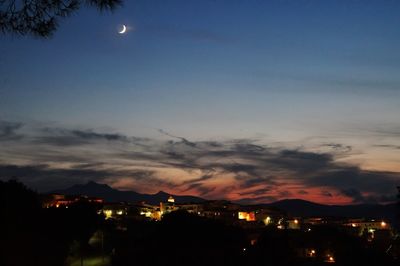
[78,235]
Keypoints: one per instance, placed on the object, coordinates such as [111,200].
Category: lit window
[171,199]
[330,259]
[107,213]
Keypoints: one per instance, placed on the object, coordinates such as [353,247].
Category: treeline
[32,235]
[180,239]
[185,239]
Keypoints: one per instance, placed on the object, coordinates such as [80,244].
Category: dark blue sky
[287,74]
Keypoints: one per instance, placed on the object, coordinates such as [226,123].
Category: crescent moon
[123,30]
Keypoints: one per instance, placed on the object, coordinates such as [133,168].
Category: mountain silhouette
[303,208]
[109,194]
[294,207]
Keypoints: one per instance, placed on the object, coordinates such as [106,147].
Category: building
[167,207]
[115,210]
[370,226]
[60,200]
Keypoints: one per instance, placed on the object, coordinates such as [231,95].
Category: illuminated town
[253,221]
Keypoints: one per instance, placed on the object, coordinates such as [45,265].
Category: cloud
[390,146]
[248,182]
[338,147]
[46,178]
[326,194]
[348,177]
[359,197]
[90,135]
[200,179]
[68,137]
[302,192]
[8,130]
[302,162]
[355,194]
[257,192]
[384,130]
[232,168]
[185,141]
[199,187]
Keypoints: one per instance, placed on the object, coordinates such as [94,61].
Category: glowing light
[248,216]
[383,224]
[120,212]
[353,225]
[107,213]
[171,199]
[147,214]
[296,221]
[330,259]
[312,253]
[267,220]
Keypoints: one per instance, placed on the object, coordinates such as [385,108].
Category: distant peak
[94,184]
[162,193]
[295,201]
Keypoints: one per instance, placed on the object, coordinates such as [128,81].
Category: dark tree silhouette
[41,17]
[36,236]
[398,209]
[180,239]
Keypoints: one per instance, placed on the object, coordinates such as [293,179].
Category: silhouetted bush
[33,236]
[182,239]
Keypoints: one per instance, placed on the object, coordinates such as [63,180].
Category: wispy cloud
[8,130]
[52,157]
[68,137]
[389,146]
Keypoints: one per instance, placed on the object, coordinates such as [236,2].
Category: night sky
[251,100]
